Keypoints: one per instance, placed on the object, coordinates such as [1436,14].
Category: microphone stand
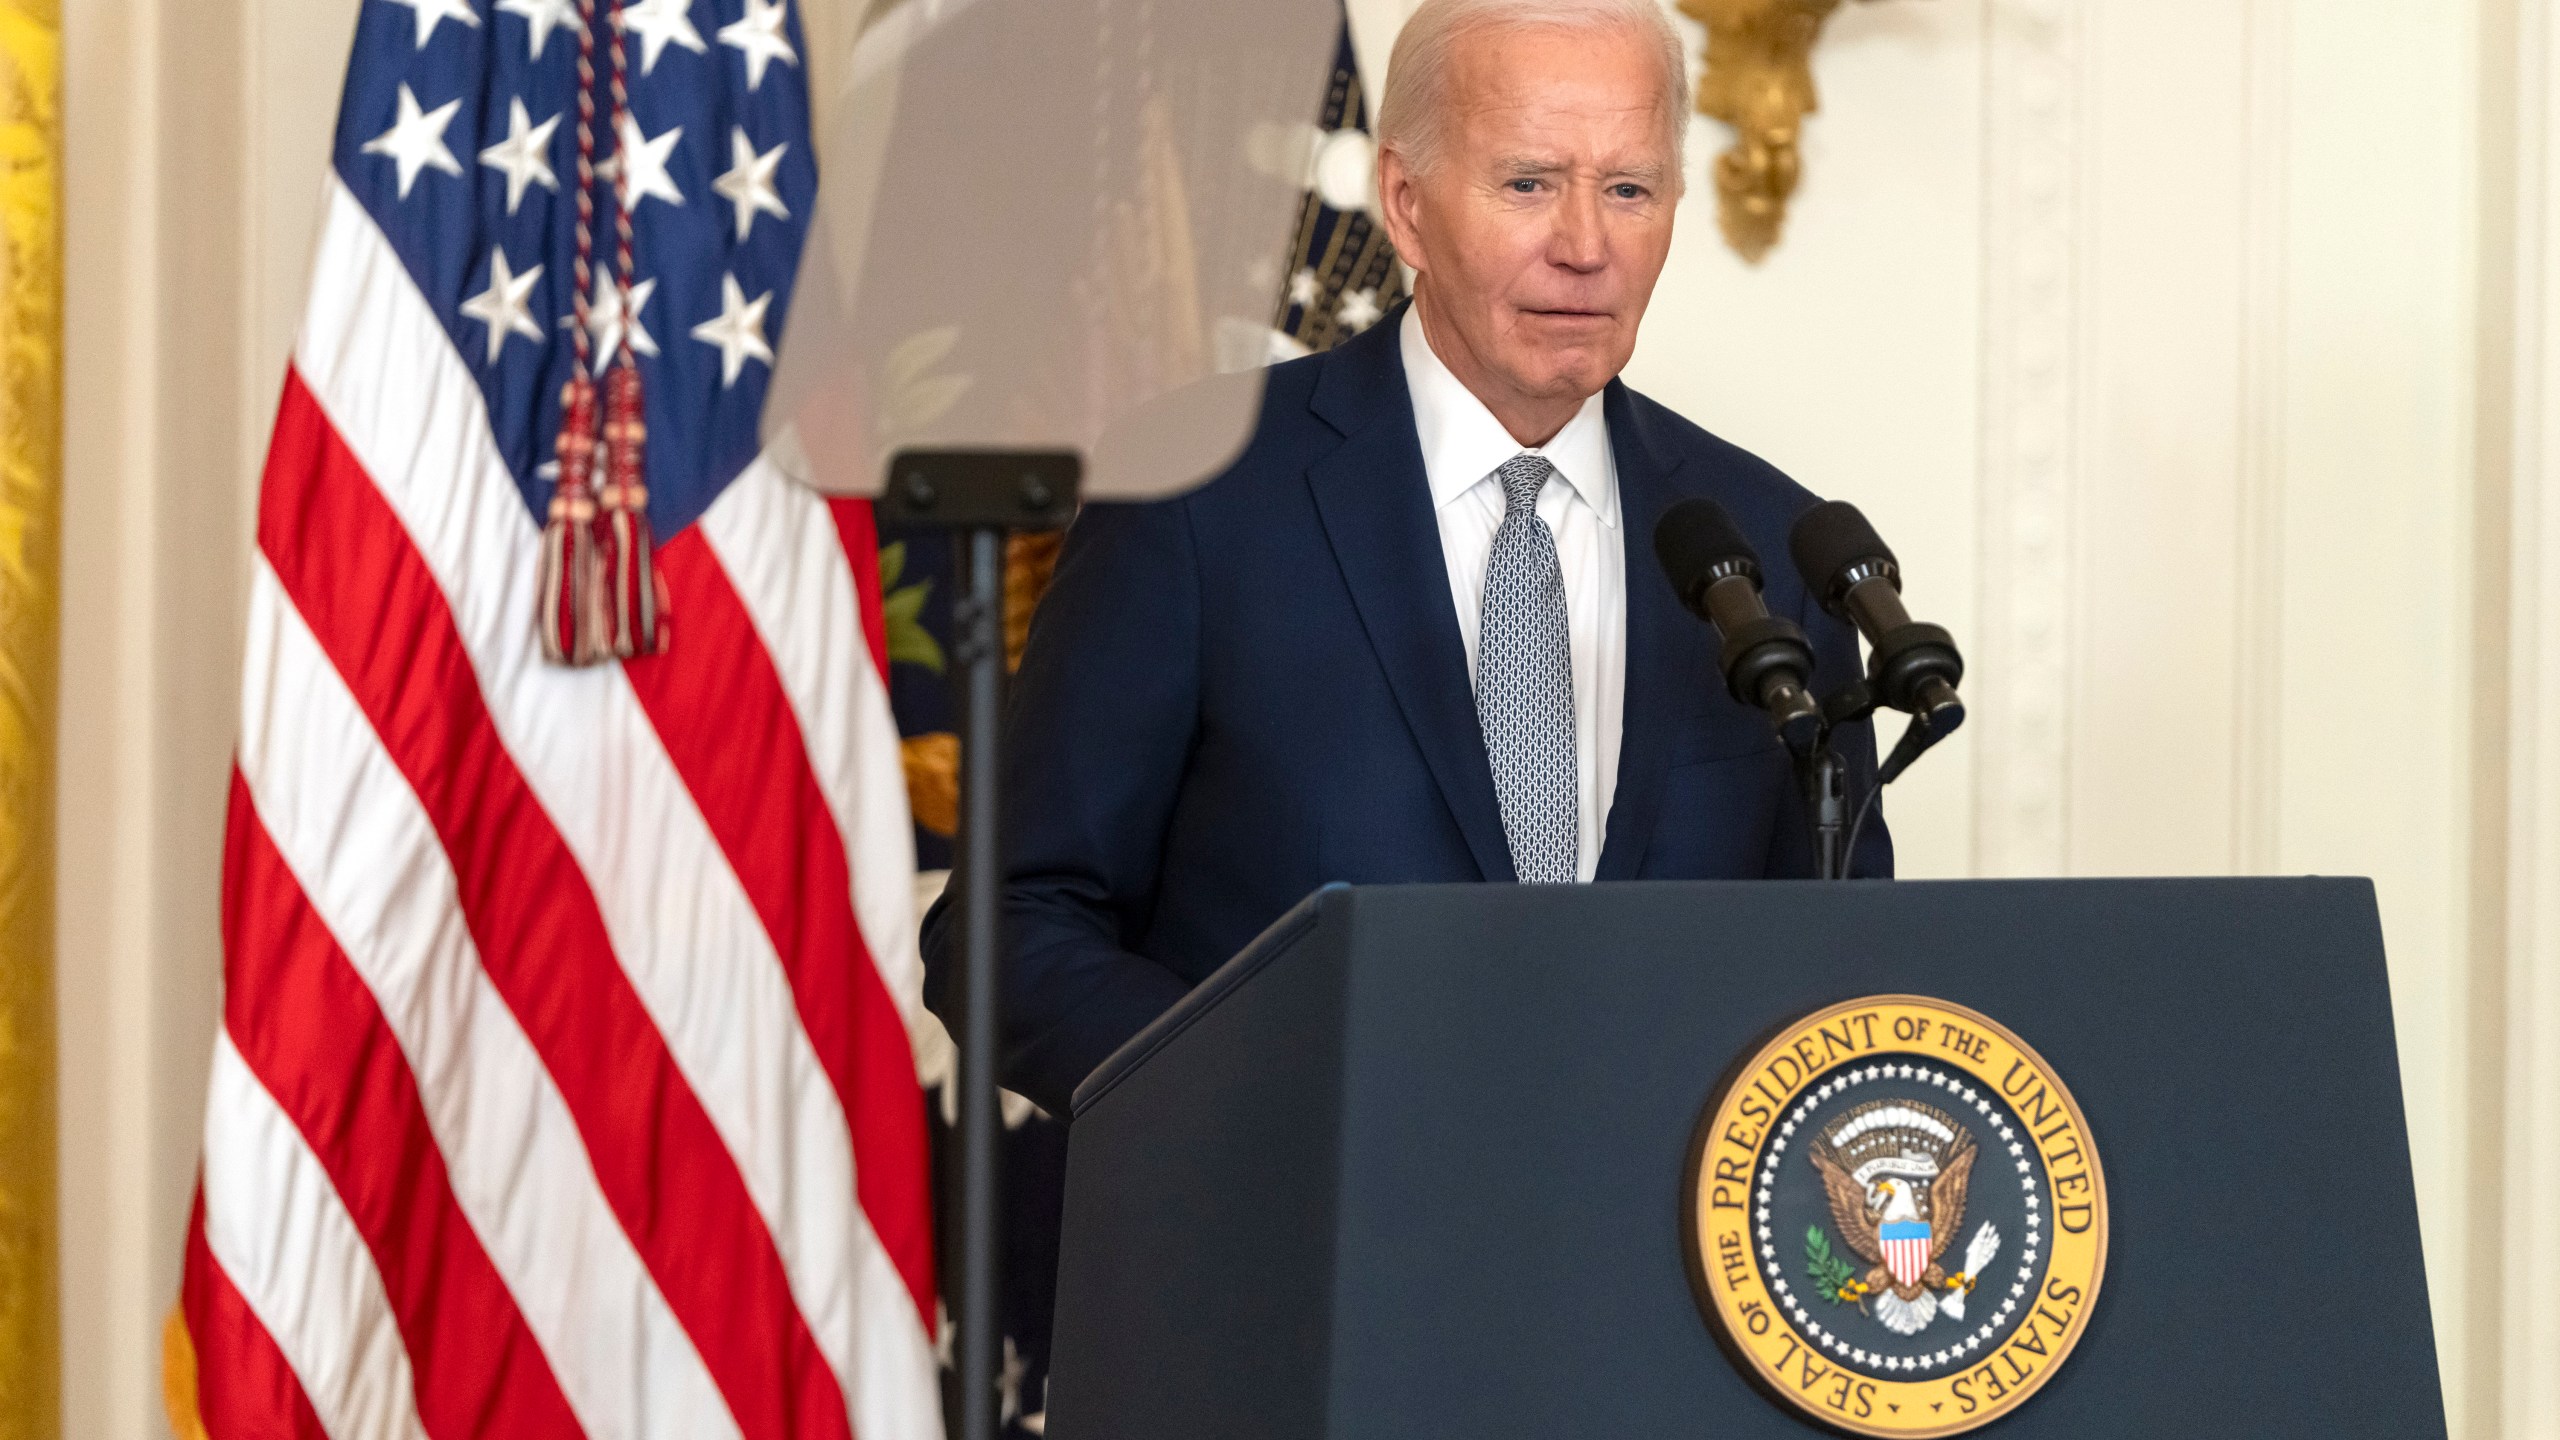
[1824,776]
[981,497]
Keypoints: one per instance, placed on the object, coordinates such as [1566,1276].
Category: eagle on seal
[1896,1172]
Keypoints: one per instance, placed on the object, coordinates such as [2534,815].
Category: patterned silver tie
[1524,684]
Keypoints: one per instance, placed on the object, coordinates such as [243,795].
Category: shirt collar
[1462,443]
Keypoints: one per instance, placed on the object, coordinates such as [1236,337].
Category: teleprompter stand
[981,496]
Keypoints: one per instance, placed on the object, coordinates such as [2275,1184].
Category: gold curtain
[30,556]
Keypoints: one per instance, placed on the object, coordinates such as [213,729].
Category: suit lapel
[1662,650]
[1376,506]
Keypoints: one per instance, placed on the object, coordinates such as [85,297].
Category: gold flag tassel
[575,628]
[632,595]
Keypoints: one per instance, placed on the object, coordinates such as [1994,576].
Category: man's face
[1539,235]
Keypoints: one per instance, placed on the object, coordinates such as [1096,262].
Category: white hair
[1414,110]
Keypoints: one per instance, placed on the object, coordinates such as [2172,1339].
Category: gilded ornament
[30,552]
[1759,80]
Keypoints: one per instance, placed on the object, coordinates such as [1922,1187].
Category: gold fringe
[1030,563]
[178,1377]
[933,780]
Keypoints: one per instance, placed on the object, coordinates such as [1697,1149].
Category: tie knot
[1523,476]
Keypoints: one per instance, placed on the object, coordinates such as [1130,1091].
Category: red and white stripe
[1908,1260]
[564,1085]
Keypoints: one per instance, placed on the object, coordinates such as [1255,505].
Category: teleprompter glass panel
[1050,224]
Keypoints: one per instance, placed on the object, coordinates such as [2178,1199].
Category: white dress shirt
[1462,445]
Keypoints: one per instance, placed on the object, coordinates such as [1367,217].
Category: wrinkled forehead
[1548,97]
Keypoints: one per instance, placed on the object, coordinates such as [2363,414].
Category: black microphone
[1911,666]
[1768,663]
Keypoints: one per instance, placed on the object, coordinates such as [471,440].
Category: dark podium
[1412,1165]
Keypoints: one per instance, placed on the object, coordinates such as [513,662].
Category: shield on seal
[1906,1249]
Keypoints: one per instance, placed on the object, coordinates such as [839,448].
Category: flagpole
[982,497]
[979,647]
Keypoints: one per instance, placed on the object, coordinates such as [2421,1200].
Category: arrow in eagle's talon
[1986,1244]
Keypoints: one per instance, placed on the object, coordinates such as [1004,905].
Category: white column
[2526,1263]
[195,133]
[2036,173]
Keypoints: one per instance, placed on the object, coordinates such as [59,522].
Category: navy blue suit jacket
[1234,697]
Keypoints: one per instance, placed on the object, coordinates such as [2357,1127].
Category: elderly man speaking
[1416,632]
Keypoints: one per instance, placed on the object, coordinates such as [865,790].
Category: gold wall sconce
[1759,80]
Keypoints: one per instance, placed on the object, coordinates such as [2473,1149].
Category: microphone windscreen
[1828,539]
[1696,538]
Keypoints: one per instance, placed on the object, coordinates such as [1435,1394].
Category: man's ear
[1400,203]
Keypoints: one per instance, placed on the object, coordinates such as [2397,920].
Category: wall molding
[2526,1265]
[2531,1274]
[2034,185]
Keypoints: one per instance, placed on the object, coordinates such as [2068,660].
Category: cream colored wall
[2202,358]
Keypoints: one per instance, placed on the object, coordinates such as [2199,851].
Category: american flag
[564,1084]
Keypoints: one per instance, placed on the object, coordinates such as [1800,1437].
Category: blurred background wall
[2197,356]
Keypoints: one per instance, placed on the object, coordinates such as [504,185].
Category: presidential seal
[1895,1218]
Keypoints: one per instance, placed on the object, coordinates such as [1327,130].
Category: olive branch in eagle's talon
[1834,1279]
